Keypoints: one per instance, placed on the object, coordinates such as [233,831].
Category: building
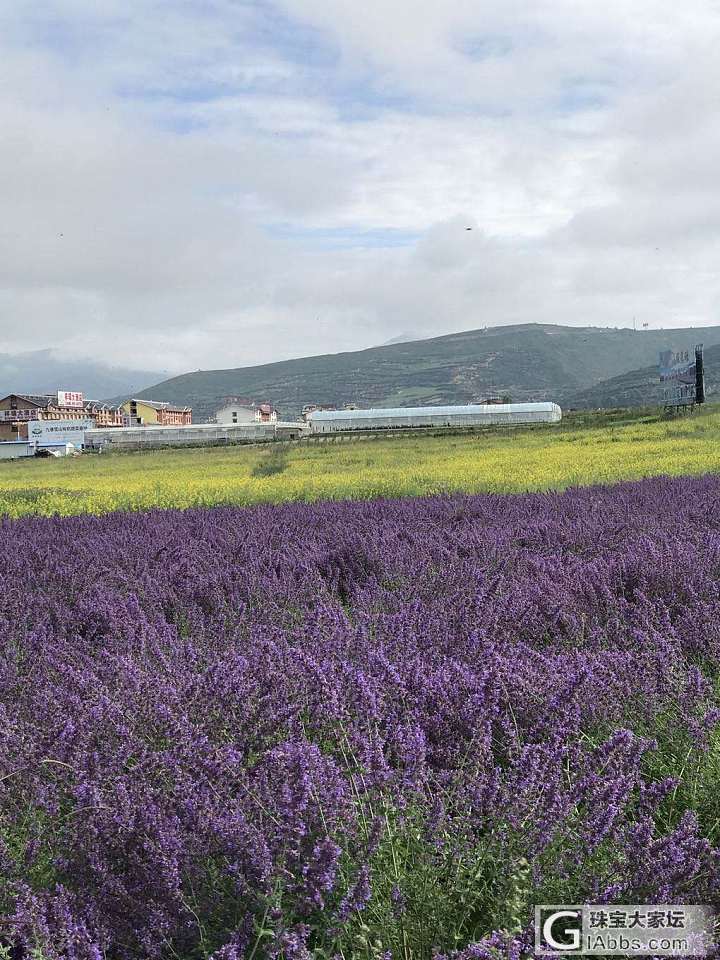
[141,413]
[245,411]
[13,449]
[17,410]
[235,411]
[472,415]
[103,414]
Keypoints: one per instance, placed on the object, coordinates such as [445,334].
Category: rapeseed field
[583,450]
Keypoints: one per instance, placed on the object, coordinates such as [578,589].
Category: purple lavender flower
[218,726]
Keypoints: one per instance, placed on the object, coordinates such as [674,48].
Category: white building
[246,413]
[12,449]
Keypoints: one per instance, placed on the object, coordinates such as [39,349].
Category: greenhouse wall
[147,438]
[472,415]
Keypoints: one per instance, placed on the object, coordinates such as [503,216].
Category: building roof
[474,408]
[38,399]
[160,405]
[45,400]
[229,403]
[235,402]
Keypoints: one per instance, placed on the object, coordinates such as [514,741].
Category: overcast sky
[216,183]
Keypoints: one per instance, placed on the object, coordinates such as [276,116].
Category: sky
[195,184]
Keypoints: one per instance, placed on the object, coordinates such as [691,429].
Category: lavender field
[378,730]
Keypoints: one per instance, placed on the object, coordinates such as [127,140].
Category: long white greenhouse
[471,415]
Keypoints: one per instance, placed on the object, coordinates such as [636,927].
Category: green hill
[528,362]
[638,388]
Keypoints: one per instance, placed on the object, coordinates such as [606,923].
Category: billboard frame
[682,378]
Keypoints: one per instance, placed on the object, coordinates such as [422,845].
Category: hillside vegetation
[634,388]
[528,362]
[584,449]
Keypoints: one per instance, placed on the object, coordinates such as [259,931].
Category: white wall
[242,415]
[11,449]
[44,432]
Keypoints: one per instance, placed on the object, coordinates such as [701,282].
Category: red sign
[70,398]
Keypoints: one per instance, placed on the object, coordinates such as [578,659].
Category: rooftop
[39,399]
[160,405]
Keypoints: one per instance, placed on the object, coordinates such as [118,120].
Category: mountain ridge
[641,387]
[525,361]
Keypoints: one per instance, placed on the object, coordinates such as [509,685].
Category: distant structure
[310,408]
[103,415]
[682,377]
[236,410]
[267,413]
[471,415]
[141,413]
[17,410]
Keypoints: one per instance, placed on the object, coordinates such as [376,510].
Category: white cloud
[188,185]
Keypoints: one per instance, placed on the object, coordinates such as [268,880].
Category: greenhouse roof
[474,408]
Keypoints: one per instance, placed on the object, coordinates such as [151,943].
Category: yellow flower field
[582,450]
